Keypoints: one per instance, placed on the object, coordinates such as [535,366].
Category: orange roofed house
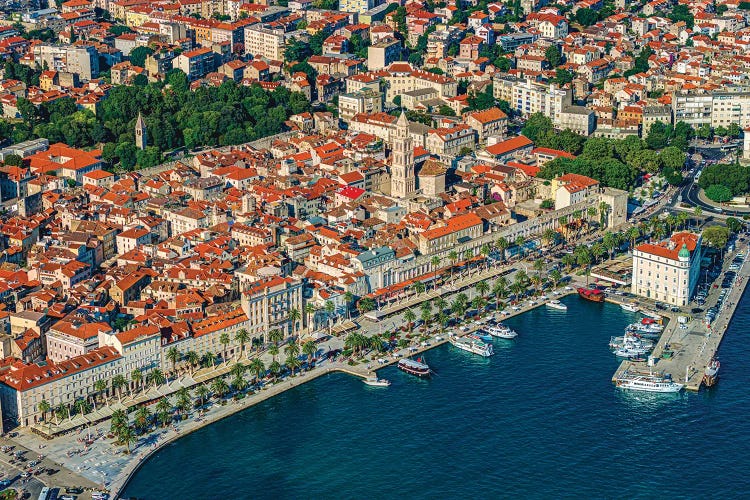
[572,189]
[668,271]
[456,230]
[67,162]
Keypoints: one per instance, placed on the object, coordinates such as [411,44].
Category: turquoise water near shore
[540,419]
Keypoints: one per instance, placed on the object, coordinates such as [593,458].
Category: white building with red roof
[668,271]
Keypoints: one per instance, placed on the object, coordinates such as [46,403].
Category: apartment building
[367,101]
[267,304]
[383,53]
[263,42]
[195,63]
[668,271]
[456,230]
[80,60]
[69,339]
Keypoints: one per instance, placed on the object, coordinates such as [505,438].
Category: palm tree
[294,317]
[137,377]
[453,257]
[118,382]
[164,411]
[568,260]
[100,386]
[275,368]
[682,219]
[435,262]
[468,255]
[275,336]
[309,349]
[193,359]
[521,276]
[365,305]
[478,304]
[237,370]
[239,384]
[156,376]
[184,401]
[201,390]
[292,350]
[442,320]
[548,236]
[485,252]
[224,341]
[118,421]
[409,316]
[698,211]
[349,299]
[219,387]
[174,356]
[440,304]
[142,417]
[242,336]
[520,240]
[632,234]
[126,436]
[257,367]
[61,412]
[503,244]
[209,359]
[419,287]
[538,265]
[330,308]
[499,290]
[482,288]
[598,250]
[517,288]
[556,276]
[591,213]
[273,351]
[44,407]
[425,316]
[292,362]
[536,280]
[310,311]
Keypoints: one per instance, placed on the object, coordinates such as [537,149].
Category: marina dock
[692,348]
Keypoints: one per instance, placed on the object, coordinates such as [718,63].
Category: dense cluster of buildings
[102,274]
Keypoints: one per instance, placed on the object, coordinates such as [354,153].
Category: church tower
[403,181]
[141,139]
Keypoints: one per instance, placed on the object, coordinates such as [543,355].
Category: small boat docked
[374,381]
[472,346]
[501,331]
[629,352]
[651,314]
[630,307]
[647,383]
[414,367]
[711,373]
[591,294]
[556,304]
[618,342]
[480,335]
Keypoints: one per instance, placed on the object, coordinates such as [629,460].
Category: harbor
[685,350]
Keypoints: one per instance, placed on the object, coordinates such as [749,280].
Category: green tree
[138,55]
[242,336]
[586,16]
[719,193]
[716,236]
[536,126]
[553,56]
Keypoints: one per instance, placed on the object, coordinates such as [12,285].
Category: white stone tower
[403,181]
[141,139]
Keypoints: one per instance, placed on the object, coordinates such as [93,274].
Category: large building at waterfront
[668,271]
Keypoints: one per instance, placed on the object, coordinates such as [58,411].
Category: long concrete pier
[691,349]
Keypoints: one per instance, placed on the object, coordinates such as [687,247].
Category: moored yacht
[647,383]
[414,367]
[376,382]
[556,304]
[618,342]
[630,307]
[472,346]
[711,373]
[480,335]
[501,331]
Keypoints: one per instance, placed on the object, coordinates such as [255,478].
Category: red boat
[592,295]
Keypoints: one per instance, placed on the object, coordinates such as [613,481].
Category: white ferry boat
[501,331]
[374,381]
[556,304]
[630,307]
[627,340]
[473,346]
[648,383]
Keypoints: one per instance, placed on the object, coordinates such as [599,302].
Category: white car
[568,288]
[463,328]
[516,308]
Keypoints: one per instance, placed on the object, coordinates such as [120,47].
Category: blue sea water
[540,419]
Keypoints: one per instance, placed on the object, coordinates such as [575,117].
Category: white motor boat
[630,351]
[501,331]
[472,346]
[648,383]
[630,307]
[556,304]
[627,340]
[374,381]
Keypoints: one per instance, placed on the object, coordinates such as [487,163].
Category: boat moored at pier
[591,294]
[501,331]
[647,383]
[711,373]
[556,304]
[472,346]
[416,367]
